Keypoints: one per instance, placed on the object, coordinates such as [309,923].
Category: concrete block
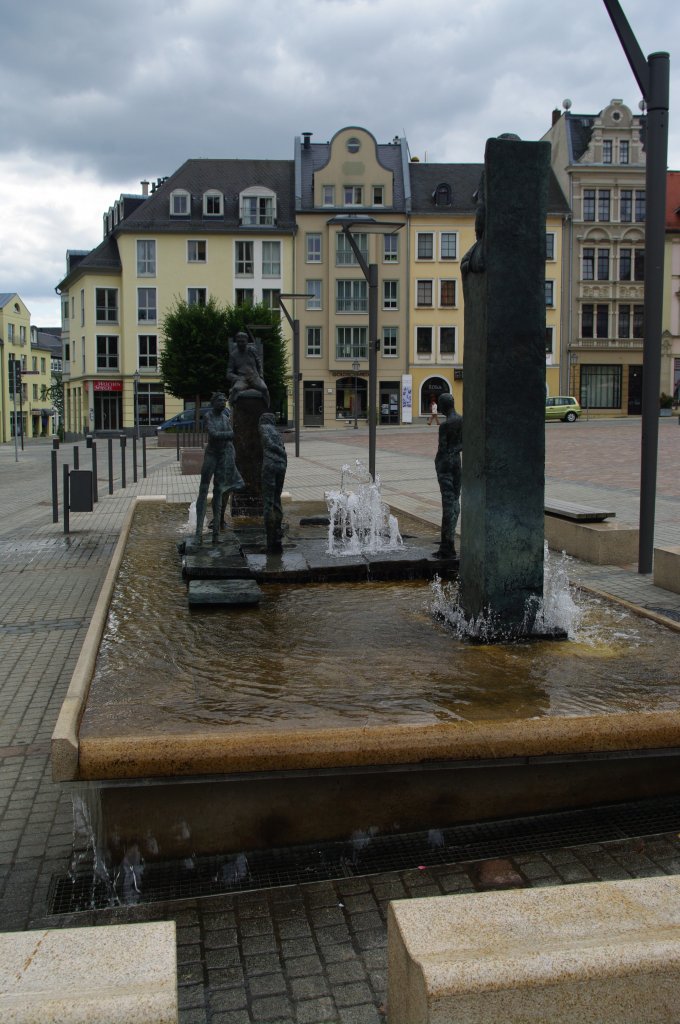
[190,461]
[235,592]
[120,974]
[578,954]
[602,543]
[667,569]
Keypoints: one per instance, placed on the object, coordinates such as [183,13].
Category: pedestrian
[433,413]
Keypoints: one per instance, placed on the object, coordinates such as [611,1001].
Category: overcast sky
[97,95]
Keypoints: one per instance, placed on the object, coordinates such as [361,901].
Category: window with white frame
[146,305]
[424,292]
[313,342]
[550,245]
[378,195]
[107,351]
[271,259]
[270,298]
[607,151]
[350,343]
[244,261]
[197,251]
[624,152]
[447,342]
[180,203]
[351,296]
[147,348]
[258,209]
[424,342]
[424,245]
[82,307]
[106,304]
[391,248]
[313,247]
[146,257]
[197,296]
[447,293]
[328,195]
[549,340]
[344,253]
[313,289]
[390,342]
[390,295]
[550,293]
[448,245]
[10,333]
[213,203]
[244,296]
[353,195]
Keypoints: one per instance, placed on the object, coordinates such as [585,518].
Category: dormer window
[442,195]
[258,207]
[213,204]
[180,203]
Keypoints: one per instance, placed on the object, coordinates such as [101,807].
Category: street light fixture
[368,225]
[652,75]
[295,326]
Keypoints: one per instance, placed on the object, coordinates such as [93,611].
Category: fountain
[340,706]
[358,518]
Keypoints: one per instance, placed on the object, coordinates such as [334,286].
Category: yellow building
[31,413]
[215,228]
[356,181]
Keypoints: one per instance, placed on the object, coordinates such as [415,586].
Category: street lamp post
[295,326]
[368,225]
[652,76]
[356,366]
[136,378]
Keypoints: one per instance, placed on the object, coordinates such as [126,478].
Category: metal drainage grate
[88,888]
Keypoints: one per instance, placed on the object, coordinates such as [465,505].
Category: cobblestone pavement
[314,952]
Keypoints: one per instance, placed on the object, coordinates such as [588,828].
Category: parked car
[185,420]
[562,407]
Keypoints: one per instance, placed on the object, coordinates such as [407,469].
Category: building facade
[599,161]
[244,230]
[670,341]
[27,412]
[218,229]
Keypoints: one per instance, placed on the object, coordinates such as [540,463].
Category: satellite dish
[566,104]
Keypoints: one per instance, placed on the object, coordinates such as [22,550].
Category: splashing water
[556,610]
[190,525]
[359,519]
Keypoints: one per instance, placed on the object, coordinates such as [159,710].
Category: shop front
[108,404]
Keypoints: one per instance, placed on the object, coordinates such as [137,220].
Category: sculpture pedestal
[245,417]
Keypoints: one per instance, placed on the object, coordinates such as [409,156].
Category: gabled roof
[230,177]
[463,181]
[6,297]
[104,257]
[314,156]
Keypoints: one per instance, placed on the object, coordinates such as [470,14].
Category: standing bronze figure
[219,465]
[274,463]
[448,467]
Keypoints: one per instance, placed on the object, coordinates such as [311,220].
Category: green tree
[265,323]
[194,357]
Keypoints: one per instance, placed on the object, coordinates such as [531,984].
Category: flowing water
[333,654]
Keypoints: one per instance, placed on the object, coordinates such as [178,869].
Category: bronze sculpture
[218,463]
[244,370]
[448,466]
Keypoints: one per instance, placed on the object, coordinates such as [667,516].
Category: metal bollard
[67,498]
[123,441]
[134,459]
[55,487]
[144,456]
[110,465]
[76,457]
[95,489]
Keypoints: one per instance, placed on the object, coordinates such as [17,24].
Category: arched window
[442,194]
[213,203]
[432,388]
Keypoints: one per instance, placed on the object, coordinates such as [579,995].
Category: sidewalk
[312,952]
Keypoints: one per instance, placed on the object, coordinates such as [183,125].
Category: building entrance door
[634,390]
[312,404]
[107,414]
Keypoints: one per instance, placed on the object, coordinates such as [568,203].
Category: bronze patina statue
[244,370]
[274,463]
[218,463]
[448,467]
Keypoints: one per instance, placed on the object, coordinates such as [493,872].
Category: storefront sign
[107,385]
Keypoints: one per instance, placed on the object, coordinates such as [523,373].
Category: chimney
[145,188]
[307,136]
[556,115]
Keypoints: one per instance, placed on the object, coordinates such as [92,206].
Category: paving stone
[267,985]
[315,1011]
[308,988]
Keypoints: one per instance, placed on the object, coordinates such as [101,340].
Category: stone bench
[574,510]
[592,540]
[577,954]
[667,568]
[120,974]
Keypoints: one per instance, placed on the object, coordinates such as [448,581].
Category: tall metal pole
[372,365]
[652,76]
[295,325]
